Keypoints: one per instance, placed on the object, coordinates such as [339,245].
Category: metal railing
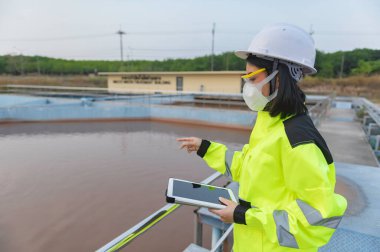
[97,93]
[145,95]
[372,109]
[370,123]
[219,243]
[319,110]
[17,88]
[128,236]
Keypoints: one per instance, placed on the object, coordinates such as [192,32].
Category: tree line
[329,65]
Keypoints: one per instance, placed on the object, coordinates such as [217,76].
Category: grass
[365,86]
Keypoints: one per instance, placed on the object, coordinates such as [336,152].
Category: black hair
[261,63]
[290,99]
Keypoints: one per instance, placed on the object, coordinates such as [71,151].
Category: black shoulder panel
[301,130]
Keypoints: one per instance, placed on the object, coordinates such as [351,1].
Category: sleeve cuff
[239,214]
[203,148]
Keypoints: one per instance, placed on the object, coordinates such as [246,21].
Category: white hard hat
[285,42]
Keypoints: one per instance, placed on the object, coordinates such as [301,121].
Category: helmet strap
[273,81]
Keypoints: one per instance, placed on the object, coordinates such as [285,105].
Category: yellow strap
[247,76]
[129,238]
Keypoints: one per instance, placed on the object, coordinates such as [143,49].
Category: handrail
[125,238]
[136,91]
[110,91]
[319,109]
[221,240]
[372,109]
[54,87]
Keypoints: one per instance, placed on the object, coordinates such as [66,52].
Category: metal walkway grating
[345,240]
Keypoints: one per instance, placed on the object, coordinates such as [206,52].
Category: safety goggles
[247,77]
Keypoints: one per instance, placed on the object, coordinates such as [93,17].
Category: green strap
[154,220]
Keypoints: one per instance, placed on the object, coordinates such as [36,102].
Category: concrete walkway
[346,139]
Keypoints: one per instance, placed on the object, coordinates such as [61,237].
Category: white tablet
[196,194]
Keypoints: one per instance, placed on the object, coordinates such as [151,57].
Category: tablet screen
[199,192]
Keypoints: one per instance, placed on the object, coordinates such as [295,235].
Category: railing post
[198,230]
[216,234]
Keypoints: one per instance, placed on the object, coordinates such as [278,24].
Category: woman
[286,172]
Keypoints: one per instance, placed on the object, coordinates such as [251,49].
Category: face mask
[252,95]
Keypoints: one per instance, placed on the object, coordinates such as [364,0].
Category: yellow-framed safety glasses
[250,75]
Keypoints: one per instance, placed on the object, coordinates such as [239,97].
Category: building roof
[174,73]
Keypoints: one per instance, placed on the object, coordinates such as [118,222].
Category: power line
[169,32]
[165,33]
[340,33]
[58,38]
[162,49]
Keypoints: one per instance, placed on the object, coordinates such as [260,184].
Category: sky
[162,29]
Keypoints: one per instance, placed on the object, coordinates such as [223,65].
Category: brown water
[76,186]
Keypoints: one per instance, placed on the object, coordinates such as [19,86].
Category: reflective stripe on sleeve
[285,238]
[228,162]
[314,217]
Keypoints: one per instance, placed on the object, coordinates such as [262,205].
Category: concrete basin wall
[139,107]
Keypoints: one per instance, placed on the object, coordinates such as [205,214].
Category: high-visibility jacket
[286,181]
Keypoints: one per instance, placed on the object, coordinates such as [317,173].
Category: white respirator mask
[252,95]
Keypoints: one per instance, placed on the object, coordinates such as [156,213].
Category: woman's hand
[227,214]
[190,143]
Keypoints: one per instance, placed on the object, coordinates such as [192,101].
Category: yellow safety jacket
[286,176]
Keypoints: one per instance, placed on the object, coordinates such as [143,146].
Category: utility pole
[22,64]
[311,31]
[227,61]
[341,67]
[38,66]
[212,47]
[121,33]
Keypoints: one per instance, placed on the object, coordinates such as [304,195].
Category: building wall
[218,83]
[213,83]
[142,83]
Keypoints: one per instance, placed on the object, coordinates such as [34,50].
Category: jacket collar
[265,121]
[264,124]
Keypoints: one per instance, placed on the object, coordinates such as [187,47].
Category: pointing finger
[183,139]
